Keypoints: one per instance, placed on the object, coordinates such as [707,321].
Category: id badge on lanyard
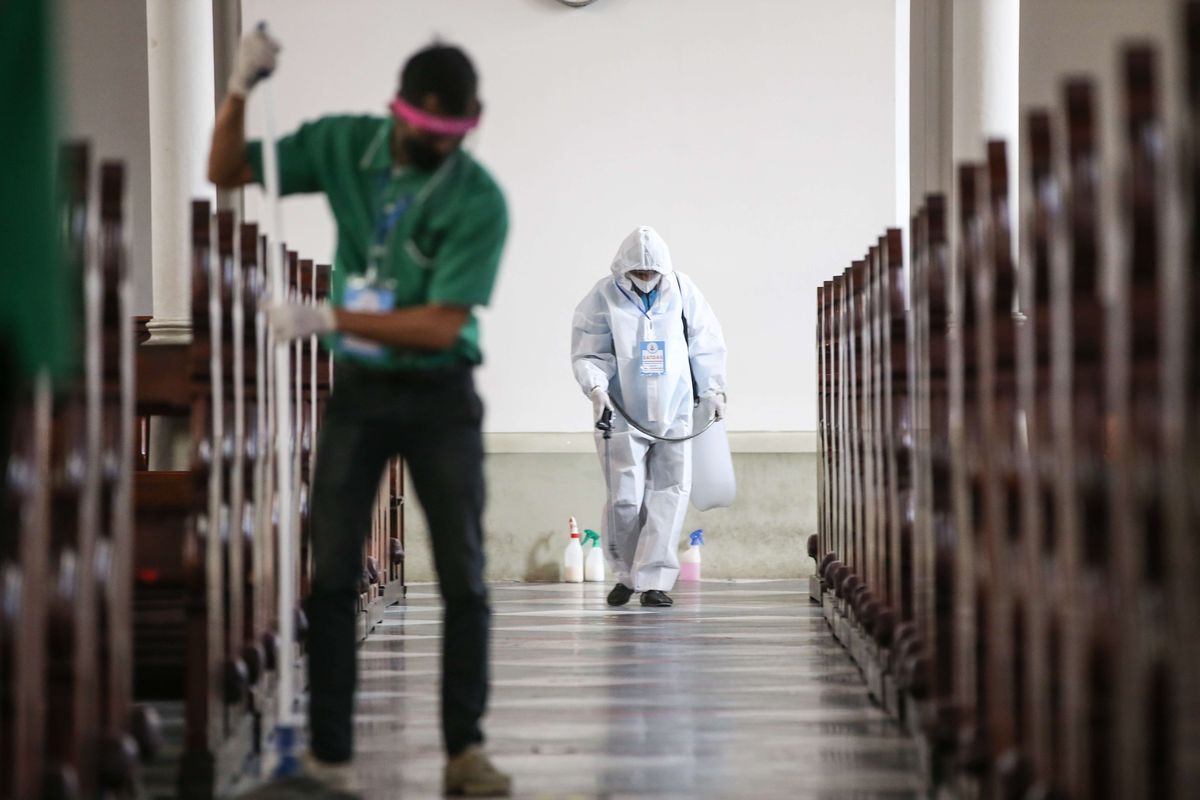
[652,366]
[370,294]
[654,358]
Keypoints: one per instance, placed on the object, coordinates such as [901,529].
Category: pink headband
[432,123]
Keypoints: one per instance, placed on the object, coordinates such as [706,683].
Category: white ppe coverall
[648,481]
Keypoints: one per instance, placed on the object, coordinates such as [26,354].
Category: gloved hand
[712,405]
[600,403]
[296,320]
[255,60]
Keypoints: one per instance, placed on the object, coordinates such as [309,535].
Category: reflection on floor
[738,691]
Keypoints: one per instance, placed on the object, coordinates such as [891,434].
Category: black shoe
[620,595]
[657,599]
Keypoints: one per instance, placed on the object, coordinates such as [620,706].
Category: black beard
[420,155]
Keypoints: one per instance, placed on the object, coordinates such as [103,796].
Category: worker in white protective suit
[628,344]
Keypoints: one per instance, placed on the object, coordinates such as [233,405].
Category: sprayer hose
[669,439]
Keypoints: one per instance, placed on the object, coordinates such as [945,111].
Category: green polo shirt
[444,250]
[39,307]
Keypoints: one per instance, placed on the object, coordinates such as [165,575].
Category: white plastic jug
[713,482]
[572,567]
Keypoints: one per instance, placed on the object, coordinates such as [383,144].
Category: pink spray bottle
[689,562]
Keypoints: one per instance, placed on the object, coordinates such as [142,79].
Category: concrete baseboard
[536,481]
[584,442]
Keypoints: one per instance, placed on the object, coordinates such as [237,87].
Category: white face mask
[645,286]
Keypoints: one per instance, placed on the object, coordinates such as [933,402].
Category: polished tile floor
[739,691]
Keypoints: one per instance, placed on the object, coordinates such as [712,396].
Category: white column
[182,110]
[987,72]
[930,100]
[1002,90]
[1001,69]
[903,117]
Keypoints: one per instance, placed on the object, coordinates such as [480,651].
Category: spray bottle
[572,570]
[593,565]
[689,562]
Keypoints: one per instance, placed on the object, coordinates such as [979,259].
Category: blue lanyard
[387,218]
[645,312]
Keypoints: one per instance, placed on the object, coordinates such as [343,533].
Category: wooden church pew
[67,724]
[1183,453]
[207,617]
[897,442]
[1008,504]
[1043,359]
[121,583]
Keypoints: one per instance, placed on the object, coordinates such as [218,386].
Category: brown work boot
[315,781]
[335,777]
[472,774]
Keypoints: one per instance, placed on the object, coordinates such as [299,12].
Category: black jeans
[431,419]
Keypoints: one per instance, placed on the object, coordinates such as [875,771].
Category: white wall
[105,91]
[756,135]
[1068,38]
[1085,37]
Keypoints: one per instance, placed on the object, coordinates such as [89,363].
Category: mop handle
[283,419]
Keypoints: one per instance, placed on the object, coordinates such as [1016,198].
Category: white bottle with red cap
[572,569]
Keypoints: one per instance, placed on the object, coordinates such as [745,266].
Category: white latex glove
[600,403]
[712,405]
[255,60]
[296,320]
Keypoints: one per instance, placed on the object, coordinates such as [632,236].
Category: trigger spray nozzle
[605,423]
[697,538]
[591,536]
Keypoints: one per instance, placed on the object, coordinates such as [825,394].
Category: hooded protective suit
[640,357]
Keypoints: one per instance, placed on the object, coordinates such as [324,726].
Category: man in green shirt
[421,227]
